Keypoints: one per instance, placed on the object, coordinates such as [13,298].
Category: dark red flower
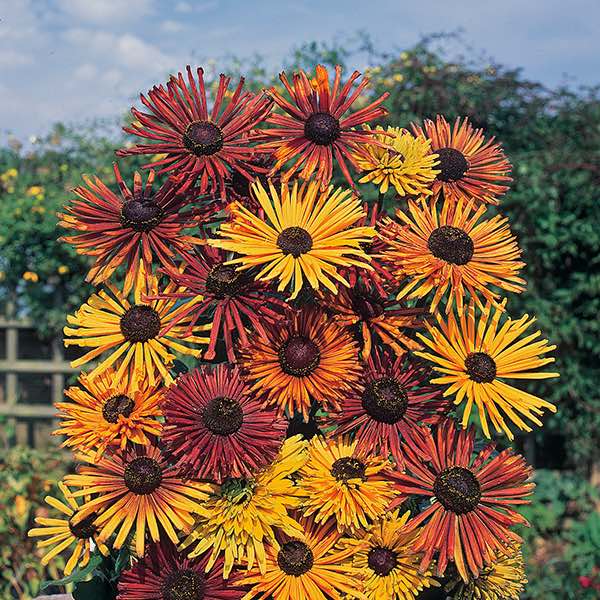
[198,142]
[215,428]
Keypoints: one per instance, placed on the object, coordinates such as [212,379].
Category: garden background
[552,137]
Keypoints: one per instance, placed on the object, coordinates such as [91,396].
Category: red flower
[198,143]
[215,428]
[165,574]
[470,514]
[388,405]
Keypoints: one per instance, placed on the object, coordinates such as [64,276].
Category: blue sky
[69,60]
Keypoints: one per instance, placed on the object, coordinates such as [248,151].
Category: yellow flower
[398,77]
[34,190]
[306,236]
[242,515]
[63,269]
[384,562]
[21,506]
[30,276]
[476,356]
[338,482]
[409,167]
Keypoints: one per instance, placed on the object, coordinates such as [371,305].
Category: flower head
[126,228]
[108,412]
[138,487]
[307,357]
[63,533]
[215,427]
[469,165]
[317,127]
[198,143]
[405,162]
[452,251]
[307,236]
[472,498]
[475,357]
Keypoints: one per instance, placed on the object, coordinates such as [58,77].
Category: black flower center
[141,215]
[451,244]
[453,164]
[481,367]
[142,475]
[140,323]
[382,561]
[85,529]
[299,356]
[295,558]
[295,241]
[348,468]
[385,400]
[184,584]
[457,489]
[115,406]
[322,128]
[203,138]
[223,416]
[367,305]
[224,280]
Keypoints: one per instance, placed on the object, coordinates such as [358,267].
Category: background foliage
[553,140]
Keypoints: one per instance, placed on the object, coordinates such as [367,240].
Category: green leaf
[94,589]
[77,575]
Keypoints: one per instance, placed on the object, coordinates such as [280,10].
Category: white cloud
[106,11]
[183,7]
[197,7]
[172,26]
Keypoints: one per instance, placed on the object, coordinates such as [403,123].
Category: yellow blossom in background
[63,269]
[35,190]
[31,276]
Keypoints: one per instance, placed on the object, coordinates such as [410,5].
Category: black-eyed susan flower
[108,412]
[215,426]
[64,533]
[503,579]
[122,229]
[341,483]
[133,331]
[241,516]
[469,165]
[383,560]
[453,251]
[307,357]
[475,357]
[166,574]
[306,237]
[138,490]
[375,319]
[401,160]
[317,128]
[232,300]
[305,566]
[472,499]
[388,406]
[198,142]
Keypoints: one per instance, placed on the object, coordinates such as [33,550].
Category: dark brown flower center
[141,215]
[322,128]
[224,280]
[480,367]
[295,241]
[295,558]
[85,529]
[348,468]
[367,305]
[451,244]
[453,164]
[299,356]
[140,323]
[203,138]
[382,561]
[115,406]
[223,416]
[142,475]
[385,400]
[457,489]
[184,584]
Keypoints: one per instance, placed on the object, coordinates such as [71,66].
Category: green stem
[379,204]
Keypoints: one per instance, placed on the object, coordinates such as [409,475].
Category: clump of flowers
[281,373]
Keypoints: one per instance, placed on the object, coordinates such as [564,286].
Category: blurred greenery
[552,137]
